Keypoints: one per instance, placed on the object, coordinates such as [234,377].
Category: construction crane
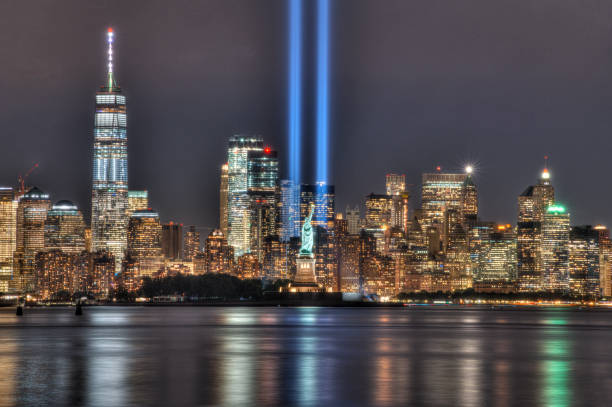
[21,180]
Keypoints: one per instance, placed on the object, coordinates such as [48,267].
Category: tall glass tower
[109,203]
[239,222]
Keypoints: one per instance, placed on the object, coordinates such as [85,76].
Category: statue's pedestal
[305,278]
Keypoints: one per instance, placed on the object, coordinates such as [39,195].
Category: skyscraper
[605,260]
[109,203]
[289,210]
[585,261]
[532,204]
[494,257]
[262,169]
[223,199]
[440,192]
[353,219]
[8,235]
[239,208]
[378,210]
[144,241]
[65,228]
[137,201]
[172,240]
[191,244]
[469,200]
[396,189]
[218,254]
[31,215]
[555,249]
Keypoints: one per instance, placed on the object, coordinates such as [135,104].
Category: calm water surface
[165,356]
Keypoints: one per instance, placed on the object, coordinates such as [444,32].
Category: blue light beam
[322,90]
[295,89]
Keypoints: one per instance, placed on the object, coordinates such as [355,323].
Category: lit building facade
[532,205]
[469,201]
[605,260]
[348,249]
[239,202]
[378,273]
[191,244]
[584,262]
[396,189]
[219,255]
[247,266]
[137,201]
[31,216]
[494,257]
[353,219]
[223,198]
[8,235]
[555,249]
[109,211]
[439,193]
[289,210]
[326,258]
[58,273]
[144,242]
[263,183]
[65,228]
[172,240]
[378,211]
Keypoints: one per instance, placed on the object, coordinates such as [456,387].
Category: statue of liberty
[307,237]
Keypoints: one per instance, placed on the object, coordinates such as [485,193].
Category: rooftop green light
[556,209]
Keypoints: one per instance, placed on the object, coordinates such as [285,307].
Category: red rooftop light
[267,150]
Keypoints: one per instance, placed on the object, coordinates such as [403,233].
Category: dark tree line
[221,286]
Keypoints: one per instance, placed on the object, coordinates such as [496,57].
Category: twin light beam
[295,91]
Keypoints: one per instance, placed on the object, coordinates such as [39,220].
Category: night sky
[414,84]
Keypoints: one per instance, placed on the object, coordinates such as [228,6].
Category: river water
[201,356]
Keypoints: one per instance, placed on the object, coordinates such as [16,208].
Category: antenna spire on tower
[109,39]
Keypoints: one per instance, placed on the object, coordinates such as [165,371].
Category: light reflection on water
[304,357]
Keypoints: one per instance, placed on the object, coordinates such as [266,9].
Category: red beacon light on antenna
[267,150]
[438,168]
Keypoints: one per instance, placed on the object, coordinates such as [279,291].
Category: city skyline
[500,176]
